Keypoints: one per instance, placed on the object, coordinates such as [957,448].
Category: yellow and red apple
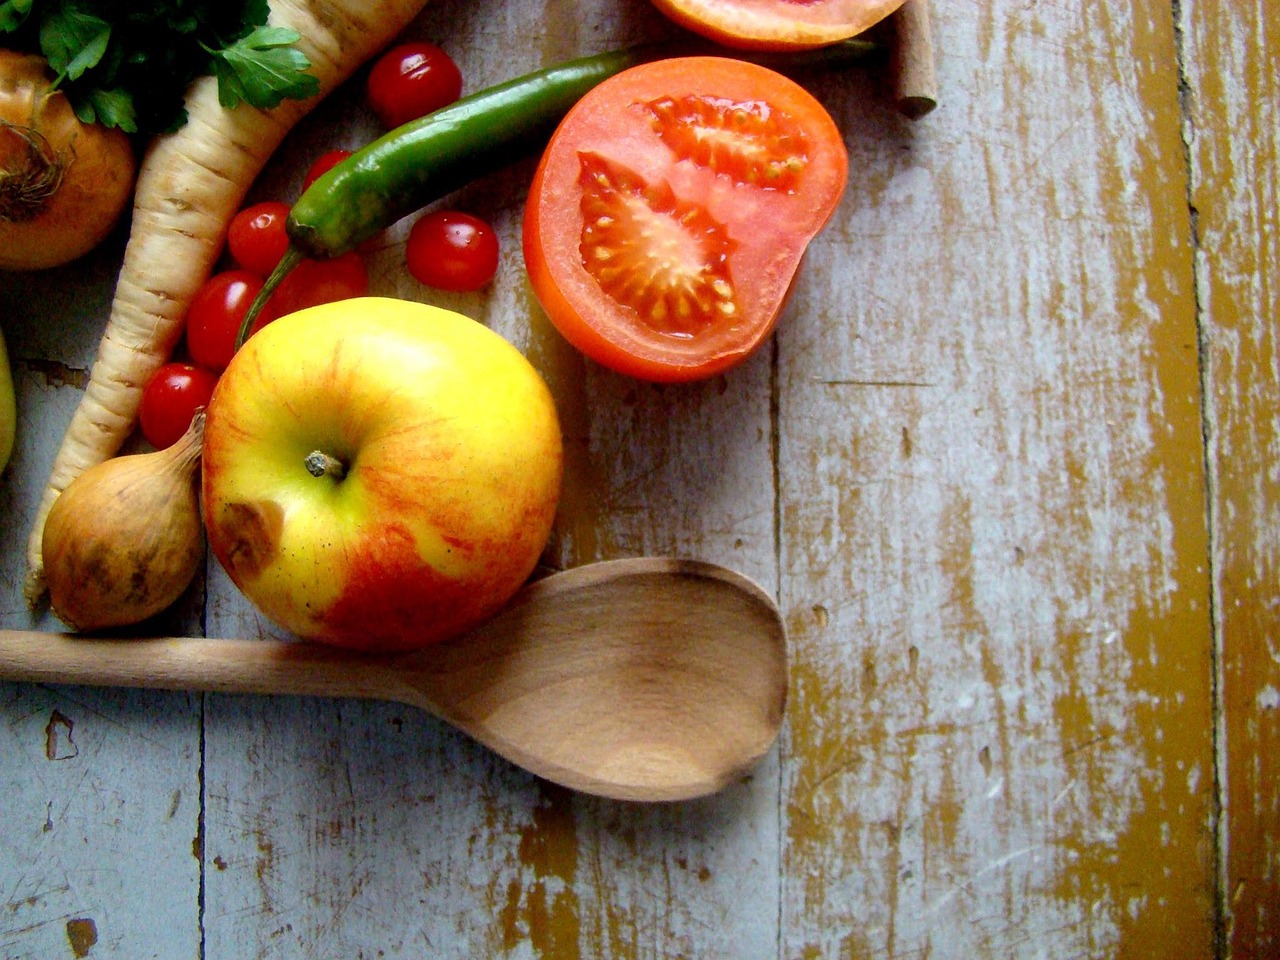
[378,473]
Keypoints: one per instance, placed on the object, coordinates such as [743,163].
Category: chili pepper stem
[292,257]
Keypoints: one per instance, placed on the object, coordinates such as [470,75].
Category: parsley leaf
[262,69]
[111,108]
[256,12]
[73,40]
[128,63]
[13,13]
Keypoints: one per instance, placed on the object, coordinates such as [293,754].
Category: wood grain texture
[101,805]
[973,467]
[993,544]
[1233,129]
[103,810]
[369,827]
[644,678]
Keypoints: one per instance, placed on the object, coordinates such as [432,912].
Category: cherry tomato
[313,282]
[777,24]
[449,250]
[670,212]
[324,163]
[170,399]
[215,315]
[257,238]
[411,80]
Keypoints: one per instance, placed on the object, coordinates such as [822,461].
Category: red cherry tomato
[671,210]
[411,80]
[313,282]
[170,399]
[449,250]
[215,315]
[257,238]
[324,163]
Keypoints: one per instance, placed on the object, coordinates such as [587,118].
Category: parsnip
[190,185]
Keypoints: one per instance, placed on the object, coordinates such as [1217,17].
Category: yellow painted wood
[1234,131]
[1011,467]
[993,537]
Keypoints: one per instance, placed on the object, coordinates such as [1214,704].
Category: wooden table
[1012,467]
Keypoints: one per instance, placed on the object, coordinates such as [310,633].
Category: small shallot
[124,539]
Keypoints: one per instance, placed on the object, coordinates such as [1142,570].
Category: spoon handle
[182,663]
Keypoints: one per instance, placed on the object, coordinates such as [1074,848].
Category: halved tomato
[671,210]
[777,24]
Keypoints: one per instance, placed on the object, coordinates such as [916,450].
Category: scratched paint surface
[1234,131]
[371,827]
[993,548]
[99,789]
[971,467]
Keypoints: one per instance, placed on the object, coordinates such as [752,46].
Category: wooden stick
[915,79]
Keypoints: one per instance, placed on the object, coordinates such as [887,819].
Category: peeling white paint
[1268,698]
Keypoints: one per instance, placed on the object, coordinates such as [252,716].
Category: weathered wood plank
[983,417]
[994,549]
[367,827]
[1234,130]
[100,811]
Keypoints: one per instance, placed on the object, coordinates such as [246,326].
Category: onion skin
[125,539]
[63,184]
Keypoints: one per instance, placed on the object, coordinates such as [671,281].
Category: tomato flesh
[748,141]
[664,258]
[777,24]
[671,209]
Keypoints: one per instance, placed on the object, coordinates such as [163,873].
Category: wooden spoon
[643,679]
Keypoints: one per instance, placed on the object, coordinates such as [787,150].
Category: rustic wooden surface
[1233,127]
[1011,466]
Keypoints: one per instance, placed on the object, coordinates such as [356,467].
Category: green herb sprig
[129,64]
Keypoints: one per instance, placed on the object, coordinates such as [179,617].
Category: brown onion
[63,184]
[124,539]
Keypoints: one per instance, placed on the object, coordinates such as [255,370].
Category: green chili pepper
[426,159]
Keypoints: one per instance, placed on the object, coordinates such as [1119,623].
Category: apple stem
[320,464]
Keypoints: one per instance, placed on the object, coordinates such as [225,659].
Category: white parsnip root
[190,185]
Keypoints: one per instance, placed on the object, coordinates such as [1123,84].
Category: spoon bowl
[648,679]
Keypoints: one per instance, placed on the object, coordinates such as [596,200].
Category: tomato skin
[777,24]
[256,237]
[411,80]
[215,315]
[450,250]
[170,399]
[323,164]
[219,306]
[313,282]
[666,255]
